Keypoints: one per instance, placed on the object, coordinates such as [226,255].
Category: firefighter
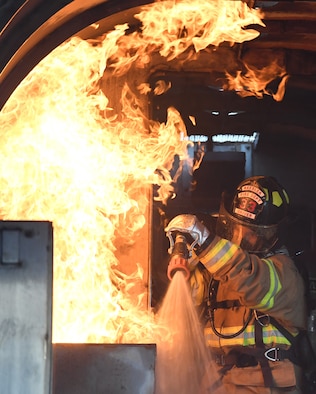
[249,288]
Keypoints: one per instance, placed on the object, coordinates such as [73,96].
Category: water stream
[183,359]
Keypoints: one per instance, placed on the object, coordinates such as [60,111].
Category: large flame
[70,157]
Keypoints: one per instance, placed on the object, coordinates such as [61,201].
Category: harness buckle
[275,354]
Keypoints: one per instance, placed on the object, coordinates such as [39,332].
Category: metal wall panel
[26,261]
[104,368]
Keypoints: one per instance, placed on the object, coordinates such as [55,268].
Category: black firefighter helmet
[253,216]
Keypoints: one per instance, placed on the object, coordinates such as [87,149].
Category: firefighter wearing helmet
[249,288]
[255,217]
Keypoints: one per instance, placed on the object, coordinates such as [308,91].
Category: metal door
[26,250]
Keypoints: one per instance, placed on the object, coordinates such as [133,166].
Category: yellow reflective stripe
[286,196]
[276,199]
[271,336]
[267,301]
[218,255]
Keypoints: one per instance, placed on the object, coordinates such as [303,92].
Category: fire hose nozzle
[179,258]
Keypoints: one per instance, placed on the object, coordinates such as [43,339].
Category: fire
[71,156]
[65,161]
[173,28]
[254,81]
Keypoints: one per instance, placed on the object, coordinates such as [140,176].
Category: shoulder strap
[263,361]
[282,329]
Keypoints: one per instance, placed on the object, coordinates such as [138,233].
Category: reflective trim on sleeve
[267,301]
[219,255]
[271,336]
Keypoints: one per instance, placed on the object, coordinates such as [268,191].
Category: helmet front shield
[251,237]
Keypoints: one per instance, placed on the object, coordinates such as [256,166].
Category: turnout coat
[240,294]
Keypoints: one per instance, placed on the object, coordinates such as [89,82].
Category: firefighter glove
[196,233]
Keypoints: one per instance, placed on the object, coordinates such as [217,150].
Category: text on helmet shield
[246,214]
[253,189]
[250,195]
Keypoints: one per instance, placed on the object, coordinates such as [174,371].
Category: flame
[91,175]
[254,81]
[172,28]
[74,157]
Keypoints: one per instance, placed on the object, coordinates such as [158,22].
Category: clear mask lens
[250,237]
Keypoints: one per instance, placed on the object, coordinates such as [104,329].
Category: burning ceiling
[287,37]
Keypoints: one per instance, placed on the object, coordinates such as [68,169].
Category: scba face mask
[250,237]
